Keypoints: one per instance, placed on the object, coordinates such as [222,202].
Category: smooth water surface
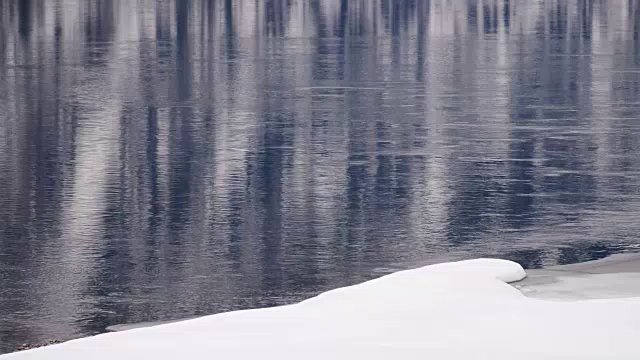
[162,159]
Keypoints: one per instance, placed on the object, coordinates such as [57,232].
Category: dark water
[162,159]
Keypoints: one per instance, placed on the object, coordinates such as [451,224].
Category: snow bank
[462,310]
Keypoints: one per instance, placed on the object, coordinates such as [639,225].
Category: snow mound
[462,310]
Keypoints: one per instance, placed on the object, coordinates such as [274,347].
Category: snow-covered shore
[617,276]
[461,310]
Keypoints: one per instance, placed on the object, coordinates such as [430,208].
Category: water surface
[162,159]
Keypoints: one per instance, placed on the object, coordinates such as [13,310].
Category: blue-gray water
[162,159]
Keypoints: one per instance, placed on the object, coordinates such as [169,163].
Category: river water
[162,159]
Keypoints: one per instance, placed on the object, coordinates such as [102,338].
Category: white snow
[461,310]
